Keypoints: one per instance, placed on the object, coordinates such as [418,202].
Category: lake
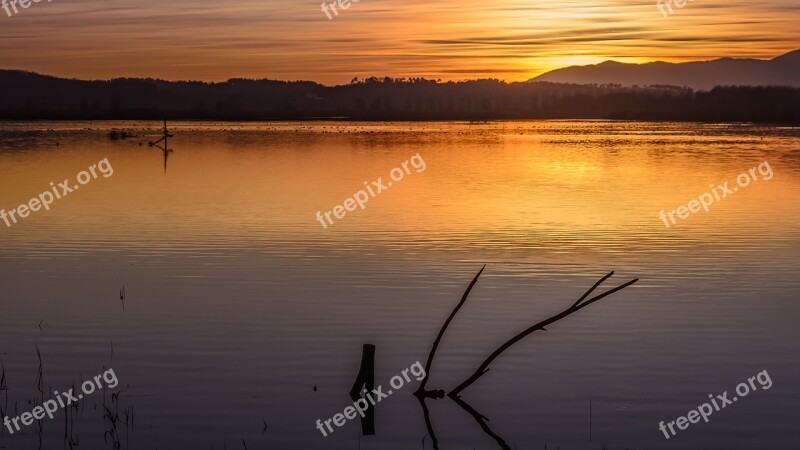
[243,316]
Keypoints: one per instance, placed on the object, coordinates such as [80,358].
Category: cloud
[510,39]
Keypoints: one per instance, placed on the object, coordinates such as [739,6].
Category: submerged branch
[577,306]
[421,391]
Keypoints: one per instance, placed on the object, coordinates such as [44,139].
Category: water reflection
[237,302]
[163,144]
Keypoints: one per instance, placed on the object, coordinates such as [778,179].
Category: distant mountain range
[701,75]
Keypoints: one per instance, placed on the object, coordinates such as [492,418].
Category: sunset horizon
[511,40]
[433,77]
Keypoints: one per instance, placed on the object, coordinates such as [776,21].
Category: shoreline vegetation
[31,96]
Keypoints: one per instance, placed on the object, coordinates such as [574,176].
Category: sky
[512,40]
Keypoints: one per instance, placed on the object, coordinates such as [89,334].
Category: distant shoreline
[30,96]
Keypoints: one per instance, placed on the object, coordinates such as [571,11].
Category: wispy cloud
[509,39]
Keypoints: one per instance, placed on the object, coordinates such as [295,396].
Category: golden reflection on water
[566,179]
[234,284]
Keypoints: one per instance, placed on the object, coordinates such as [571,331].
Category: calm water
[238,302]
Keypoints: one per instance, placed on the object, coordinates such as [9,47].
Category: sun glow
[577,61]
[513,40]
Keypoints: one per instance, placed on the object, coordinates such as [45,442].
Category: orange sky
[508,39]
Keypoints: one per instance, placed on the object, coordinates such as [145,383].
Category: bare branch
[586,294]
[577,306]
[439,393]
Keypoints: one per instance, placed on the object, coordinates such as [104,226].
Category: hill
[781,71]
